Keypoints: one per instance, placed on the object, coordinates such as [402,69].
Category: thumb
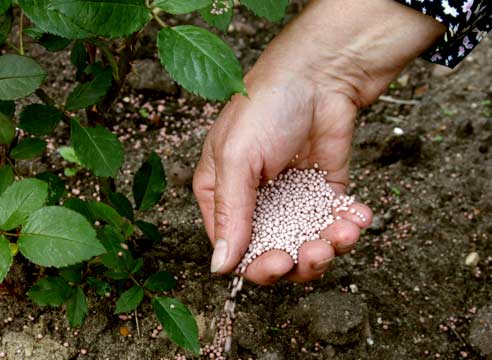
[235,200]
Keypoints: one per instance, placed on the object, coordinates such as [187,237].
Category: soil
[405,292]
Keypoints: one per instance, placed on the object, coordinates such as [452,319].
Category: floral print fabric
[468,21]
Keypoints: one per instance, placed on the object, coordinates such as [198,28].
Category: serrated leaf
[52,291]
[20,200]
[68,153]
[149,183]
[106,213]
[6,20]
[102,288]
[7,129]
[117,257]
[79,58]
[160,281]
[20,76]
[53,43]
[53,22]
[121,203]
[77,308]
[178,322]
[4,5]
[28,149]
[273,10]
[57,236]
[40,119]
[98,149]
[200,61]
[6,257]
[129,300]
[56,186]
[87,94]
[105,17]
[149,230]
[81,207]
[219,21]
[6,177]
[72,273]
[178,7]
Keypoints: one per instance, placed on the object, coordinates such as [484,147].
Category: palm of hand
[256,138]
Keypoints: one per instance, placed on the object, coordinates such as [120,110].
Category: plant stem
[21,30]
[159,20]
[8,234]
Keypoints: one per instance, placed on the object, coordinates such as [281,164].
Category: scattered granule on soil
[290,210]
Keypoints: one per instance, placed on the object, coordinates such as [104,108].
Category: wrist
[363,45]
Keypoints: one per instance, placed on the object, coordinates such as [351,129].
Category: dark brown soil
[405,292]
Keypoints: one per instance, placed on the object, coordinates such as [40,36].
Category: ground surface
[405,292]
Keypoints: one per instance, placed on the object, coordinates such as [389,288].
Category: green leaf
[6,20]
[56,186]
[6,257]
[200,61]
[149,230]
[6,177]
[87,94]
[178,322]
[149,183]
[137,266]
[68,153]
[20,76]
[7,129]
[68,172]
[117,275]
[34,32]
[160,281]
[57,236]
[77,308]
[53,43]
[121,203]
[105,17]
[20,200]
[220,21]
[106,213]
[52,291]
[79,58]
[72,273]
[81,207]
[28,149]
[98,149]
[7,108]
[179,7]
[117,257]
[4,5]
[273,10]
[53,22]
[102,288]
[40,119]
[129,300]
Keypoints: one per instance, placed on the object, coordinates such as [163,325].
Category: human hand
[304,93]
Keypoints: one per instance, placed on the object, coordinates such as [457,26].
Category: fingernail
[220,255]
[322,265]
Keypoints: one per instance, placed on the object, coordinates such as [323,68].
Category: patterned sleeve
[468,21]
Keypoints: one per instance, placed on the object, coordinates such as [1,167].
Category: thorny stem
[21,30]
